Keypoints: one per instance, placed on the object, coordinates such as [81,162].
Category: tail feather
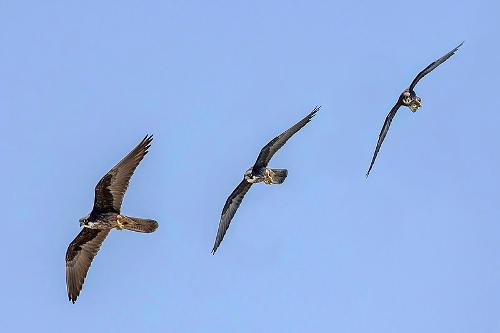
[138,224]
[279,175]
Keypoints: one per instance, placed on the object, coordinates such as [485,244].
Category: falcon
[259,172]
[105,215]
[409,99]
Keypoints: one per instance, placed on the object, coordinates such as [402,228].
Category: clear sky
[413,248]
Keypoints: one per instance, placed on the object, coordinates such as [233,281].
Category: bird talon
[268,177]
[119,224]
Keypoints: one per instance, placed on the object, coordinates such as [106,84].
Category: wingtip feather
[146,143]
[148,139]
[314,111]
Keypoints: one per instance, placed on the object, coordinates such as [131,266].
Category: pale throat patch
[90,224]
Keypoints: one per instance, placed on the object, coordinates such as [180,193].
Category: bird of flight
[409,99]
[105,216]
[259,172]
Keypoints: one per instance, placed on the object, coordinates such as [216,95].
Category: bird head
[249,177]
[84,220]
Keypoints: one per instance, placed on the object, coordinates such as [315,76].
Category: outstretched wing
[232,204]
[79,256]
[275,144]
[432,66]
[383,133]
[111,188]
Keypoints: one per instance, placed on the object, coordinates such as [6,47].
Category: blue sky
[415,248]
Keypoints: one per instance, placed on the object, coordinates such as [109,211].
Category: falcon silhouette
[409,99]
[105,216]
[259,172]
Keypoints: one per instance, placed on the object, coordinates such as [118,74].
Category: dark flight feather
[111,188]
[383,133]
[265,155]
[109,194]
[230,207]
[432,66]
[79,256]
[395,108]
[275,144]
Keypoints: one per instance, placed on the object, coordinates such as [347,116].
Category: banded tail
[138,224]
[278,175]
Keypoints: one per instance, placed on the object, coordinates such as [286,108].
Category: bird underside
[135,224]
[268,176]
[413,102]
[121,222]
[274,176]
[415,105]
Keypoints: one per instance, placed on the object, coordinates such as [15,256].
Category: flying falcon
[409,99]
[259,172]
[105,216]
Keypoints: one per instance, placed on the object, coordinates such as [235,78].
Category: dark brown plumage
[230,207]
[409,99]
[258,173]
[105,216]
[79,256]
[111,188]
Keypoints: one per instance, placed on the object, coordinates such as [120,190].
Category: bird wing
[230,207]
[432,66]
[275,144]
[111,188]
[81,251]
[383,133]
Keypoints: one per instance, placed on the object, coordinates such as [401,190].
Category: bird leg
[119,224]
[415,104]
[268,176]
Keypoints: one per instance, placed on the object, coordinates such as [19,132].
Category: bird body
[104,217]
[258,173]
[100,221]
[267,175]
[116,221]
[409,99]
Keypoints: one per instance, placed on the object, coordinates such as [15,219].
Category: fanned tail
[279,175]
[138,224]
